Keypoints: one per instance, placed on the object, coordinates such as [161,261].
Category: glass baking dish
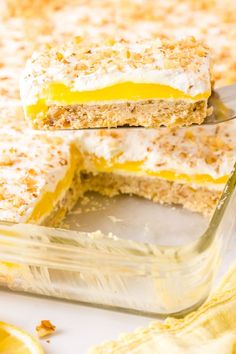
[126,253]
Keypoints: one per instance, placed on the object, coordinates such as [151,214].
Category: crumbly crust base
[200,199]
[148,113]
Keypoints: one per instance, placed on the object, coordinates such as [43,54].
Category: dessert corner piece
[37,176]
[88,84]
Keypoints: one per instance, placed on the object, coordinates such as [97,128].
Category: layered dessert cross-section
[37,176]
[110,83]
[178,166]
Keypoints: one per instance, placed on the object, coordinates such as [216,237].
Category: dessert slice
[86,84]
[37,176]
[186,166]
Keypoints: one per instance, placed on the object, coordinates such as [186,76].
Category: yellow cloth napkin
[209,330]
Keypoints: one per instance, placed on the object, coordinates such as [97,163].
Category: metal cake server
[223,102]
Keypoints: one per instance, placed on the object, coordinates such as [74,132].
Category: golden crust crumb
[45,329]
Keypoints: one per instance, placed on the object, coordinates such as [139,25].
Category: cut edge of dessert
[100,84]
[38,182]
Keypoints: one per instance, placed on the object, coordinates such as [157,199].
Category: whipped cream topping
[191,83]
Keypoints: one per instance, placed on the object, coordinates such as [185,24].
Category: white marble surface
[78,327]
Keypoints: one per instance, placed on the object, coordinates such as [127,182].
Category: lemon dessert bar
[86,83]
[37,173]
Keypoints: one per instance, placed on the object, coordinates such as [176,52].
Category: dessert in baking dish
[186,166]
[42,174]
[110,83]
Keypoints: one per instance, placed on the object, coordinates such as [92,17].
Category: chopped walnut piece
[45,329]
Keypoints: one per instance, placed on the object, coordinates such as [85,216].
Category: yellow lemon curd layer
[60,94]
[47,202]
[137,167]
